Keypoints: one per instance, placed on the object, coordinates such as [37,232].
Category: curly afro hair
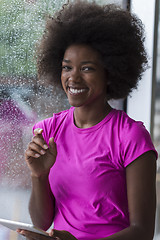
[114,32]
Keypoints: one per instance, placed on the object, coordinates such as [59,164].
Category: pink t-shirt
[88,179]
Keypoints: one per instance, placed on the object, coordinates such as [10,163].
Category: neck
[85,118]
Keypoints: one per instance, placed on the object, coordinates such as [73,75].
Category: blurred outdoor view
[23,100]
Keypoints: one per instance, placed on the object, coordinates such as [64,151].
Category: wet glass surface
[23,101]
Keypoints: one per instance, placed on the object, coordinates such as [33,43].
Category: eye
[66,68]
[87,69]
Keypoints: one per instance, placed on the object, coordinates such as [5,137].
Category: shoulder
[133,130]
[128,125]
[134,138]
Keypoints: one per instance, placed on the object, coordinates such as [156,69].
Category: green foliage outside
[21,25]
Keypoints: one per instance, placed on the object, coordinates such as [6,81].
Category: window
[156,125]
[23,101]
[145,104]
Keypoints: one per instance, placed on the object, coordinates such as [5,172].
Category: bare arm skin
[41,205]
[141,189]
[40,159]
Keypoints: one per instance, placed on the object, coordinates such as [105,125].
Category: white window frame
[140,105]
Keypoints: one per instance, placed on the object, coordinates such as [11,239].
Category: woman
[93,168]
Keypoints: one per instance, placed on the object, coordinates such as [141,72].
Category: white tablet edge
[14,225]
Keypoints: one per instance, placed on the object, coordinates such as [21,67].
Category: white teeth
[73,90]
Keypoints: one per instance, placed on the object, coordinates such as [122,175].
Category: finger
[31,154]
[63,235]
[38,131]
[39,140]
[51,234]
[35,236]
[52,146]
[36,148]
[60,234]
[21,233]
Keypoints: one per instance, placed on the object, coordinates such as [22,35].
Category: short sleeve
[48,126]
[136,140]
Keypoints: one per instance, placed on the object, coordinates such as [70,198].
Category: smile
[76,91]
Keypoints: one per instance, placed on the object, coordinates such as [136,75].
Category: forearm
[132,233]
[41,206]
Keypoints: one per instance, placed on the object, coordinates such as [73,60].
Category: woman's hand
[61,235]
[53,235]
[39,157]
[35,236]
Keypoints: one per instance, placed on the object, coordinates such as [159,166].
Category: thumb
[59,235]
[52,146]
[51,234]
[38,131]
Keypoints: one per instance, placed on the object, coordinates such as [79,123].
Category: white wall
[139,105]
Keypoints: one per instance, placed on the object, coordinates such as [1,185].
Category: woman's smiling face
[83,76]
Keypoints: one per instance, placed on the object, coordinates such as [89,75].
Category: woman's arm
[41,205]
[40,158]
[141,190]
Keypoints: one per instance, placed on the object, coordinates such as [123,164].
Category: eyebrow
[83,62]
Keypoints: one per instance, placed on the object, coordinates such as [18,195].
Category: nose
[75,76]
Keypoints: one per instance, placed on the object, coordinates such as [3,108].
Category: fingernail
[45,146]
[51,233]
[42,152]
[37,155]
[39,130]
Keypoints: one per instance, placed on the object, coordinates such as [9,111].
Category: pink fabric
[88,178]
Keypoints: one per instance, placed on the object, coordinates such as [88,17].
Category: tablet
[13,225]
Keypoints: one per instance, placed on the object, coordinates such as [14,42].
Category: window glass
[24,100]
